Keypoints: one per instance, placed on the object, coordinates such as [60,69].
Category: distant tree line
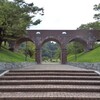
[51,51]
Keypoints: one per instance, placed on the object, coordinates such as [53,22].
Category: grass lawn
[91,56]
[8,56]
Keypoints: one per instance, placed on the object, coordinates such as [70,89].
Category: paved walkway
[53,67]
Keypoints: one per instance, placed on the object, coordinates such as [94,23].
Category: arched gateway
[62,37]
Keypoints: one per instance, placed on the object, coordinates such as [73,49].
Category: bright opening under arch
[50,52]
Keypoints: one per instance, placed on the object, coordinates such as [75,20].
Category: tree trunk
[1,42]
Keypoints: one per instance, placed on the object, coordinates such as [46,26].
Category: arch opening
[51,52]
[96,44]
[26,47]
[75,48]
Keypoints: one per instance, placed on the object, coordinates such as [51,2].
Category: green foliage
[27,48]
[93,25]
[90,26]
[97,8]
[97,44]
[50,51]
[74,47]
[16,16]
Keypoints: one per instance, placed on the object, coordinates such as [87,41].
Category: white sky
[65,14]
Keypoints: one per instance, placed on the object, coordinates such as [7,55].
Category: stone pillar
[38,56]
[64,56]
[89,46]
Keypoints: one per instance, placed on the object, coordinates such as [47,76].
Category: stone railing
[8,66]
[92,66]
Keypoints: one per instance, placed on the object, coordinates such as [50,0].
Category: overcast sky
[65,14]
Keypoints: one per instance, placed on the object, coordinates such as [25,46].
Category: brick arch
[50,39]
[62,37]
[20,40]
[80,40]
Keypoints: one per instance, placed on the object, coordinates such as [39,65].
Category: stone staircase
[50,85]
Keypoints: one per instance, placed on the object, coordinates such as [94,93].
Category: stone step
[50,85]
[73,71]
[49,88]
[51,74]
[49,96]
[62,82]
[50,77]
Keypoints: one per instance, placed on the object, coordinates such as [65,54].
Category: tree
[93,25]
[51,51]
[97,8]
[75,47]
[15,17]
[27,48]
[30,49]
[90,26]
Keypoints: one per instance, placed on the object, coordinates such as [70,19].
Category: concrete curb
[4,72]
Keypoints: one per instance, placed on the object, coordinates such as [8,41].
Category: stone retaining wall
[8,66]
[93,66]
